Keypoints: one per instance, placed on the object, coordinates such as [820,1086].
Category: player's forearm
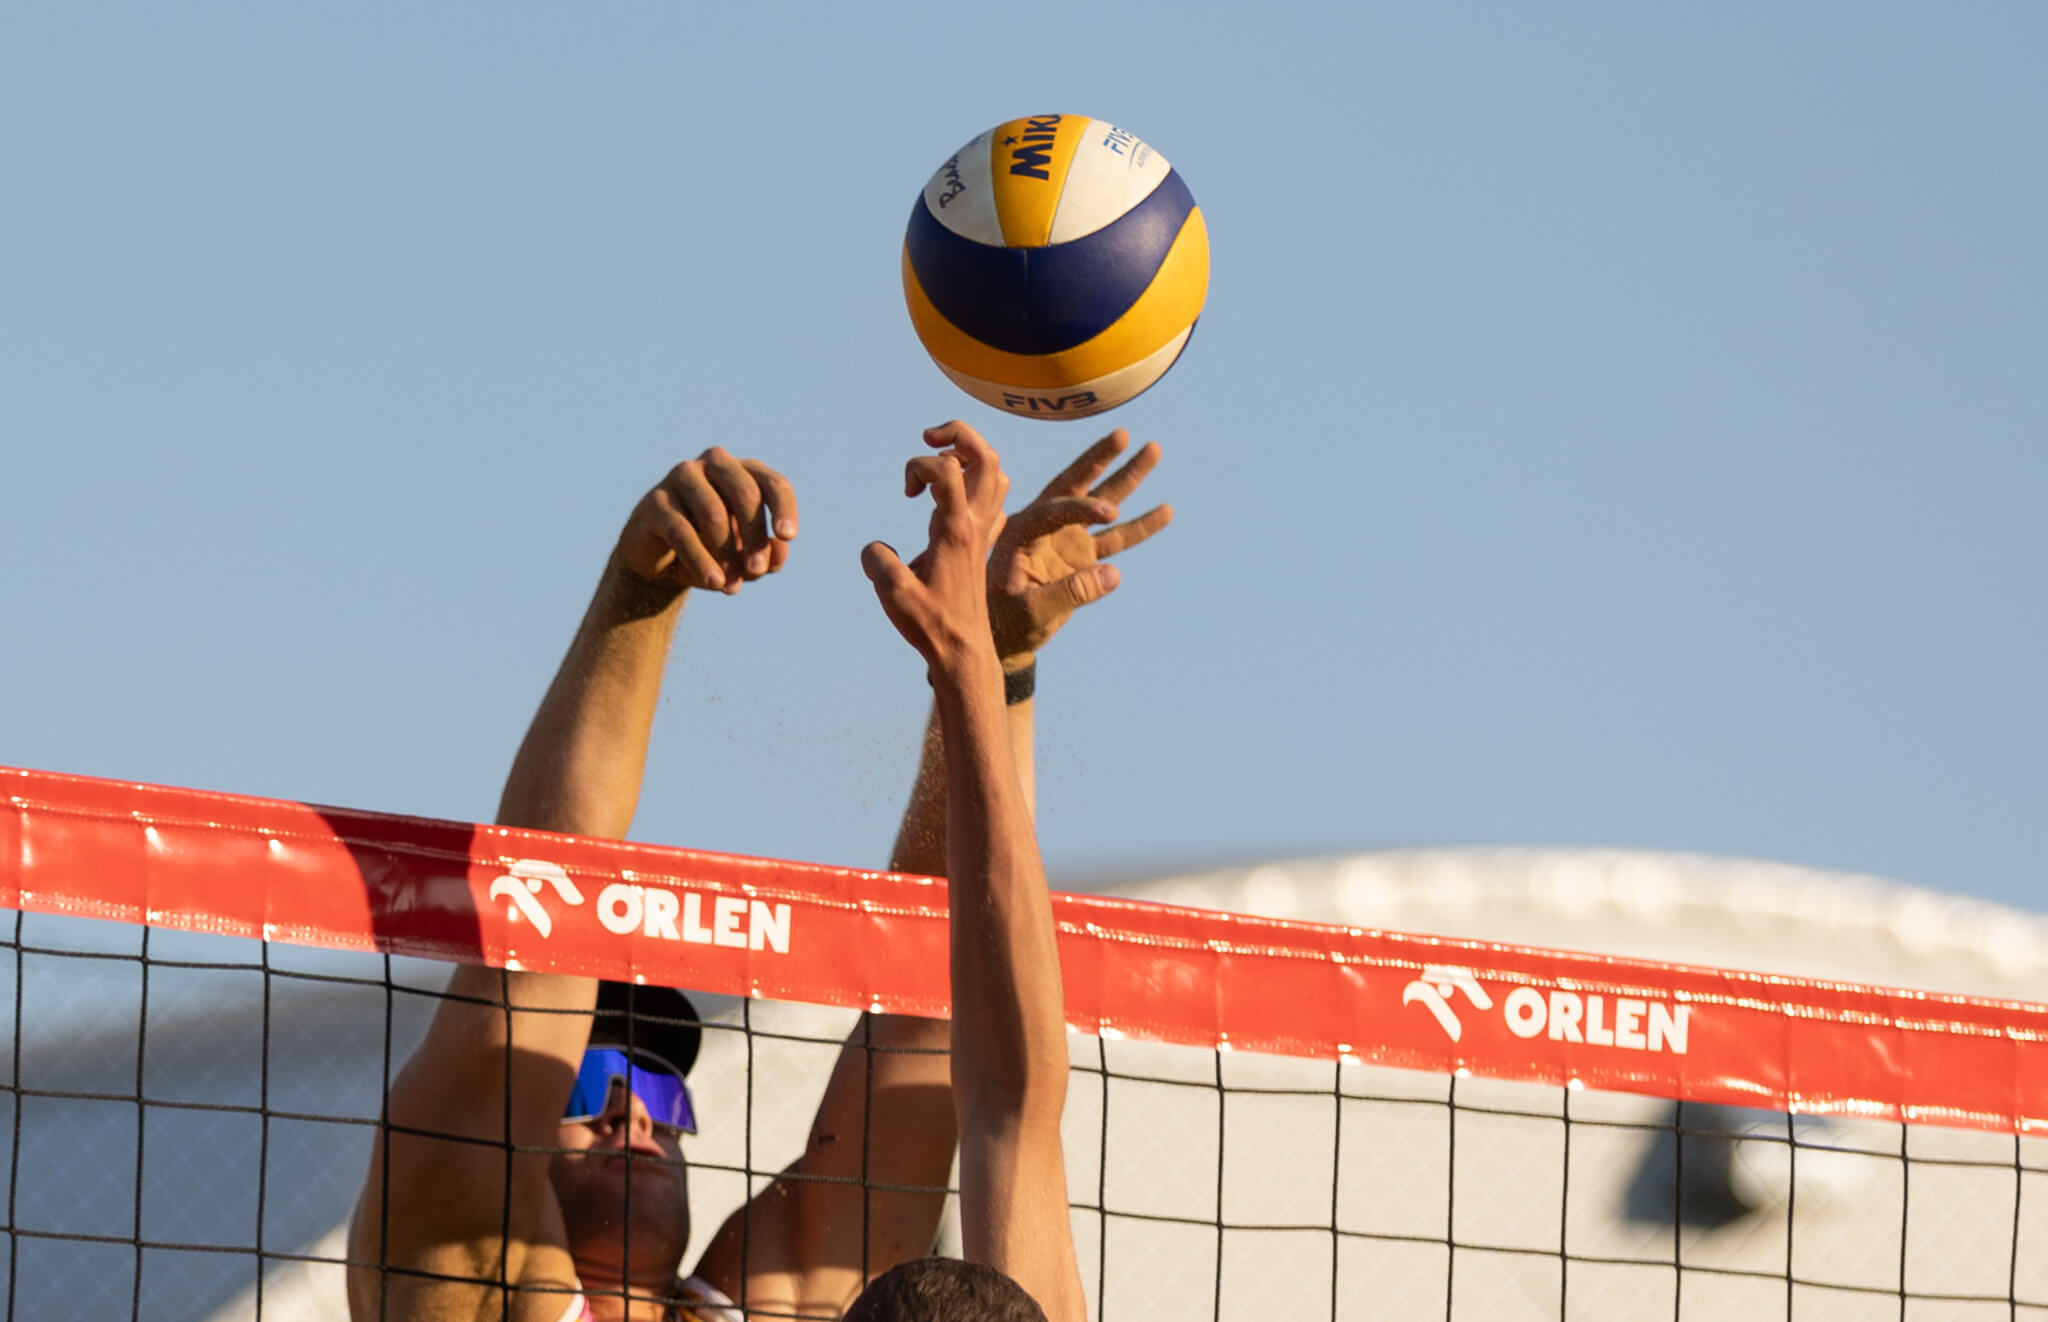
[1009,1039]
[1023,750]
[921,840]
[580,765]
[578,770]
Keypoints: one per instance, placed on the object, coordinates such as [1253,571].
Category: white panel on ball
[961,198]
[1111,173]
[1080,399]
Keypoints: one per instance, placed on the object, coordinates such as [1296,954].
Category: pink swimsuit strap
[579,1311]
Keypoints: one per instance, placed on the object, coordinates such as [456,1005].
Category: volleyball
[1055,266]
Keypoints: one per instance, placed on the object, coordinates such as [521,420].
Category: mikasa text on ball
[1055,266]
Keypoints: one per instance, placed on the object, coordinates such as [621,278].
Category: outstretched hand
[1048,561]
[713,522]
[939,601]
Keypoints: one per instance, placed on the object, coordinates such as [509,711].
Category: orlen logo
[1435,988]
[626,907]
[1563,1016]
[522,884]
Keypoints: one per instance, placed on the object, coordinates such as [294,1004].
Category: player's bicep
[500,1055]
[886,1124]
[1014,1214]
[425,1257]
[490,1078]
[870,1187]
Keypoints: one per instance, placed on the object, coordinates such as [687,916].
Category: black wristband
[1020,684]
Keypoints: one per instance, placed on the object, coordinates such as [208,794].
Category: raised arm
[440,1204]
[1009,1048]
[863,1198]
[1048,562]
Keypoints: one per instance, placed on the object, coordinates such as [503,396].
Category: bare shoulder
[450,1211]
[779,1254]
[866,1194]
[526,1277]
[753,1255]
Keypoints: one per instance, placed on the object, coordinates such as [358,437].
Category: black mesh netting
[189,1119]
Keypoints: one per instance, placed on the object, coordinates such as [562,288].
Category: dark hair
[944,1290]
[662,1021]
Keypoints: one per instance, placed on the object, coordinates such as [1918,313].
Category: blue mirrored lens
[659,1088]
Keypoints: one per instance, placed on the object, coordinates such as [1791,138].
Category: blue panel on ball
[1044,300]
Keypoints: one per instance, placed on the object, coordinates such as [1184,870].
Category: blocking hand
[939,601]
[1047,563]
[714,522]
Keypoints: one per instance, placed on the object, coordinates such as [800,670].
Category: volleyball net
[210,994]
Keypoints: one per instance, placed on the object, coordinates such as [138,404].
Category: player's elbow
[1018,1093]
[998,1137]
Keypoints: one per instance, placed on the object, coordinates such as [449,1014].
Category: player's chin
[609,1179]
[653,1225]
[648,1200]
[610,1189]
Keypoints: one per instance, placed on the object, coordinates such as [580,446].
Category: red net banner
[346,879]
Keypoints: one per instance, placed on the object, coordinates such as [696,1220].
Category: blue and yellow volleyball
[1055,266]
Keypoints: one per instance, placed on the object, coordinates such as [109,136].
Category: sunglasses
[653,1080]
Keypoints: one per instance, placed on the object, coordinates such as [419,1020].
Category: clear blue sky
[1610,424]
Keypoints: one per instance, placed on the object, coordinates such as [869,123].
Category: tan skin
[717,523]
[1009,1020]
[1048,562]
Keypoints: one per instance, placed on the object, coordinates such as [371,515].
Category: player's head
[944,1290]
[620,1181]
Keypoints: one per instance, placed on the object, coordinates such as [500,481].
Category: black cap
[662,1021]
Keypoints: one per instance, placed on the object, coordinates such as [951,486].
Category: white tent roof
[1678,908]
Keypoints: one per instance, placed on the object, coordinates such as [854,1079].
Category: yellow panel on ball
[1028,160]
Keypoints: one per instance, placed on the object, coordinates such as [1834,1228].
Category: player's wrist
[967,670]
[635,595]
